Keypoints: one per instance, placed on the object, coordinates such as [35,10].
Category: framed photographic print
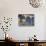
[26,19]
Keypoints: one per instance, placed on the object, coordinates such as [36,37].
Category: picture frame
[26,19]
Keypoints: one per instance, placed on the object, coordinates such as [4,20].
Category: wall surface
[11,8]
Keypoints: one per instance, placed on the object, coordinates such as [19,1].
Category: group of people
[29,19]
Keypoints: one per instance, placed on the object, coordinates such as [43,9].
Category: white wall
[11,8]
